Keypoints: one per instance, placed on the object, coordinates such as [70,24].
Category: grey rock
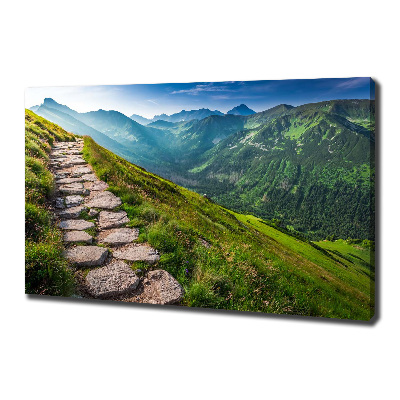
[78,161]
[109,219]
[160,287]
[105,200]
[86,256]
[137,252]
[62,175]
[65,180]
[93,212]
[114,279]
[96,186]
[82,170]
[120,236]
[73,212]
[77,236]
[60,202]
[72,201]
[59,156]
[74,188]
[75,224]
[90,178]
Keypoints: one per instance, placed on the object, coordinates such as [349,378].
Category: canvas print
[253,196]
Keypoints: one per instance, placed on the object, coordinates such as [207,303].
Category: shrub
[37,221]
[46,271]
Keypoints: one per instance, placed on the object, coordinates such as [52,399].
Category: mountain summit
[241,110]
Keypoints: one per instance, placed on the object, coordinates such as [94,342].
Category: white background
[77,350]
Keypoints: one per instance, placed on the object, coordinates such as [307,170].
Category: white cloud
[352,83]
[210,87]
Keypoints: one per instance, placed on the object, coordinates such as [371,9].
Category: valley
[309,167]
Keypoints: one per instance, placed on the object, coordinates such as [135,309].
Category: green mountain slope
[227,260]
[311,168]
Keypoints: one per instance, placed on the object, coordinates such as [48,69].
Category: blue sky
[151,99]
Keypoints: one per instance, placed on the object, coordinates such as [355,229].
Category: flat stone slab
[160,287]
[74,188]
[82,170]
[72,212]
[65,164]
[59,156]
[75,224]
[105,200]
[137,252]
[65,180]
[77,237]
[119,236]
[72,201]
[90,178]
[86,256]
[59,176]
[109,219]
[96,186]
[77,161]
[112,280]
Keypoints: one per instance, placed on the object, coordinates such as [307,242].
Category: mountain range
[190,115]
[310,168]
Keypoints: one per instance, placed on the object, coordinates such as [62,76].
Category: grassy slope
[249,265]
[46,270]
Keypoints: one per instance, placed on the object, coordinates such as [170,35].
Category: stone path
[104,244]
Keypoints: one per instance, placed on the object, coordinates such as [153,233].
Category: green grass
[353,255]
[250,266]
[46,271]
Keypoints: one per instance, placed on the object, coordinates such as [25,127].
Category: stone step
[77,161]
[74,188]
[66,180]
[75,224]
[77,237]
[119,236]
[90,178]
[106,200]
[86,256]
[61,175]
[72,212]
[72,201]
[81,170]
[159,287]
[137,252]
[110,219]
[96,186]
[114,279]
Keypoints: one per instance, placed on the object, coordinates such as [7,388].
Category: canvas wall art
[254,196]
